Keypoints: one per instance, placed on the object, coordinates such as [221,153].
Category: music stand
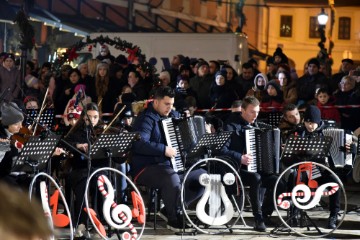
[272,118]
[304,149]
[210,142]
[46,118]
[35,154]
[112,145]
[300,149]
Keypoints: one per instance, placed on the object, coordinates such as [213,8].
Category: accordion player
[182,134]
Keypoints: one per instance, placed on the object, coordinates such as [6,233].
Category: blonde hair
[92,64]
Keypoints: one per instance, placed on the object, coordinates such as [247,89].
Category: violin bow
[113,120]
[43,106]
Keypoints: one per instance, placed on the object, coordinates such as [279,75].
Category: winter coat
[150,149]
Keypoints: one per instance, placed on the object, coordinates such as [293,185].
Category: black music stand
[112,145]
[272,118]
[46,118]
[35,154]
[209,143]
[304,149]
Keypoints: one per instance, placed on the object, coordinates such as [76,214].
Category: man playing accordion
[235,148]
[150,165]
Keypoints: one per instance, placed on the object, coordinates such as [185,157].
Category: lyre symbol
[215,193]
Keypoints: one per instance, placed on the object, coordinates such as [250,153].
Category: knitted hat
[9,55]
[222,72]
[312,114]
[275,84]
[10,115]
[202,63]
[314,61]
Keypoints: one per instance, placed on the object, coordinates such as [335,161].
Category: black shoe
[259,225]
[269,222]
[178,226]
[332,222]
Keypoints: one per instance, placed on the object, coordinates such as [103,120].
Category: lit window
[285,26]
[313,28]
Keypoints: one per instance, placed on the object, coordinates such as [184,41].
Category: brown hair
[102,84]
[249,100]
[21,218]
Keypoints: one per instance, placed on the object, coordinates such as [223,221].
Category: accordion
[339,139]
[264,145]
[182,134]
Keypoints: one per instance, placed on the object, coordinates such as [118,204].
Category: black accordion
[339,139]
[182,134]
[264,145]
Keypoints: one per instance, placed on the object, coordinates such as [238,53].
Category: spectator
[221,94]
[325,100]
[311,81]
[214,66]
[105,54]
[246,79]
[346,65]
[348,95]
[280,57]
[10,78]
[273,99]
[288,86]
[201,84]
[259,89]
[182,91]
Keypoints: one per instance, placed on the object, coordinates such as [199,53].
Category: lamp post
[323,55]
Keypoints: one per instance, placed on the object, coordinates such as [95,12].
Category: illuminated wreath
[133,51]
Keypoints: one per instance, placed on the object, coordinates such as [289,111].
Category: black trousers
[256,181]
[169,183]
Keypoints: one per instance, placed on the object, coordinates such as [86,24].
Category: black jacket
[7,161]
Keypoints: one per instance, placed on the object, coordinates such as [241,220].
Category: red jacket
[329,113]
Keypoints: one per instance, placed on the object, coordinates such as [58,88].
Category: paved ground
[349,229]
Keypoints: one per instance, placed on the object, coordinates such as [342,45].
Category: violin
[22,136]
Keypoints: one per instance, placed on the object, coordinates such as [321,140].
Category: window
[344,28]
[313,28]
[285,26]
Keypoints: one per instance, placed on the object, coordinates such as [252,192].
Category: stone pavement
[350,229]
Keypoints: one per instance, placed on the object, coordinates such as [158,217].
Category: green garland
[133,51]
[27,30]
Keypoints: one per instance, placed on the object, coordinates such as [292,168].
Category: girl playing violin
[80,136]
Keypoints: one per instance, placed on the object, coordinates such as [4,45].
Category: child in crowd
[182,91]
[31,102]
[273,99]
[326,103]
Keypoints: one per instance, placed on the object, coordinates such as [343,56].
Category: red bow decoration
[132,54]
[72,54]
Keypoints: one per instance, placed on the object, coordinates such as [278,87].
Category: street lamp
[322,17]
[323,54]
